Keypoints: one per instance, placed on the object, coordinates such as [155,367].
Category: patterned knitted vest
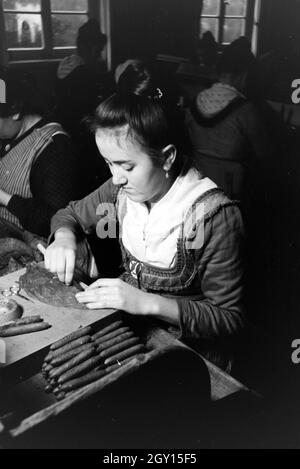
[16,165]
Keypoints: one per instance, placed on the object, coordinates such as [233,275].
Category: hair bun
[135,77]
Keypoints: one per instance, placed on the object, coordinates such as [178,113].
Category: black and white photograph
[149,227]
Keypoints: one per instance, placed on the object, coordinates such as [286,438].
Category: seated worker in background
[227,130]
[82,84]
[38,167]
[180,235]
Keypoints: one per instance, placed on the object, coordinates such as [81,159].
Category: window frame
[49,52]
[251,19]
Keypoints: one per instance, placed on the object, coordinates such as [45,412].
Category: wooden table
[62,320]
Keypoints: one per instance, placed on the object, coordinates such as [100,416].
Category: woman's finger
[104,282]
[70,267]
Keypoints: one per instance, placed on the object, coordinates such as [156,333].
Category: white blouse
[152,237]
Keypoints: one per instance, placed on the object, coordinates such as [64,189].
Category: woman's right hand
[60,256]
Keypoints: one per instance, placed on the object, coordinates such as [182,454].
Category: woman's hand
[116,294]
[60,256]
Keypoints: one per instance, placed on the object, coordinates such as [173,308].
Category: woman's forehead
[117,144]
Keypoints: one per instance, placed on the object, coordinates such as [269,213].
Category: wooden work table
[62,320]
[22,396]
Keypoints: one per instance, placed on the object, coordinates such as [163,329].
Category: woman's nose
[119,178]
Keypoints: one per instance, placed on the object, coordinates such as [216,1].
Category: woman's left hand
[115,294]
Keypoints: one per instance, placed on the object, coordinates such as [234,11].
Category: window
[227,20]
[45,29]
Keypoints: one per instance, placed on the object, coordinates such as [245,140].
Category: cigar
[117,366]
[112,335]
[71,354]
[108,329]
[81,358]
[27,329]
[110,352]
[57,391]
[123,355]
[83,381]
[48,389]
[70,346]
[61,396]
[71,337]
[22,322]
[115,341]
[80,369]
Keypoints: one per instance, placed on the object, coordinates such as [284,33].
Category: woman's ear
[170,154]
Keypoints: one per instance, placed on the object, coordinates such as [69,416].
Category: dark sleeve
[82,217]
[220,270]
[53,181]
[257,134]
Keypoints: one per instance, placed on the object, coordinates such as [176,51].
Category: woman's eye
[128,168]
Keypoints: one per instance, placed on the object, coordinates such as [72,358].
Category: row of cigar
[26,325]
[82,358]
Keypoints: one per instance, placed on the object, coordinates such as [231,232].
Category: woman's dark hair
[237,58]
[90,35]
[154,120]
[21,95]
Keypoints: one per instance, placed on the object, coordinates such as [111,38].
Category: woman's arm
[220,270]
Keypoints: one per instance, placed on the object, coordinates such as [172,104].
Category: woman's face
[131,167]
[9,128]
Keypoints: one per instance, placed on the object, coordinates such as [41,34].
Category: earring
[167,175]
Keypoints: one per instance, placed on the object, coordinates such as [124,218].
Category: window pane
[23,31]
[65,29]
[236,7]
[69,5]
[233,29]
[22,5]
[210,24]
[211,7]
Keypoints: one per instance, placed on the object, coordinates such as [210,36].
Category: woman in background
[38,166]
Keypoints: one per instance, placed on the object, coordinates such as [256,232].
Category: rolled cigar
[110,352]
[117,366]
[48,389]
[28,329]
[81,358]
[57,391]
[48,368]
[72,345]
[115,341]
[108,329]
[29,320]
[123,355]
[83,380]
[21,322]
[71,337]
[61,396]
[80,369]
[112,335]
[71,354]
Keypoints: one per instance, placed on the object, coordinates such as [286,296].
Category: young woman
[180,235]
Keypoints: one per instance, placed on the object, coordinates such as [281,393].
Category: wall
[149,27]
